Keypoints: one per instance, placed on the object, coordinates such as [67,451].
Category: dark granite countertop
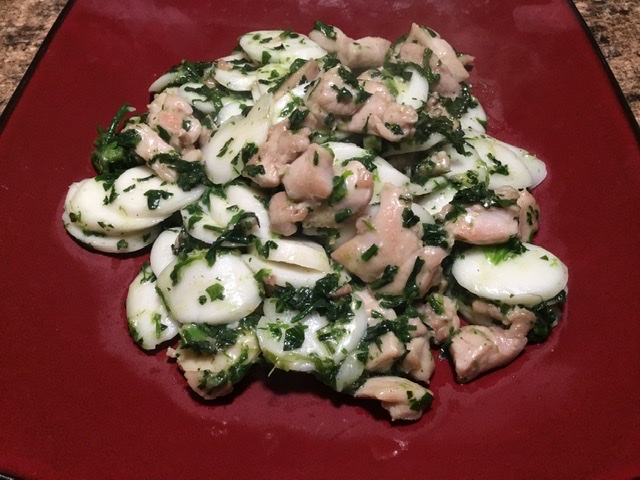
[615,25]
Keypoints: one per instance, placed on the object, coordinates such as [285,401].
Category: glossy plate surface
[79,400]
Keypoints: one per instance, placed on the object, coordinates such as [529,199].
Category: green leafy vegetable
[477,194]
[387,277]
[497,254]
[189,72]
[306,300]
[215,292]
[115,150]
[436,235]
[370,253]
[154,197]
[294,337]
[460,104]
[190,174]
[339,190]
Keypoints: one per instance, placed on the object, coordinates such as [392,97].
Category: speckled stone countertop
[615,25]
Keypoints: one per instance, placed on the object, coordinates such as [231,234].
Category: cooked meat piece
[381,115]
[529,216]
[477,349]
[172,113]
[331,96]
[284,214]
[371,305]
[310,176]
[362,53]
[194,379]
[403,398]
[306,73]
[358,191]
[395,246]
[444,61]
[281,148]
[418,362]
[384,352]
[442,322]
[484,313]
[393,243]
[151,144]
[484,226]
[333,100]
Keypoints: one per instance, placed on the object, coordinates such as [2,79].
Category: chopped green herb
[370,252]
[409,219]
[497,254]
[215,292]
[330,119]
[387,277]
[394,128]
[477,194]
[265,248]
[399,326]
[262,274]
[108,181]
[225,148]
[434,234]
[163,134]
[306,300]
[206,339]
[253,170]
[339,190]
[189,72]
[190,174]
[327,30]
[546,317]
[331,335]
[498,167]
[294,337]
[105,226]
[209,95]
[343,215]
[155,196]
[237,232]
[460,104]
[147,273]
[115,150]
[436,301]
[419,404]
[427,125]
[248,151]
[342,94]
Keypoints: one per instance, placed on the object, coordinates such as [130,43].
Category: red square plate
[79,400]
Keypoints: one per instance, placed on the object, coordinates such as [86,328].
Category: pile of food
[326,205]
